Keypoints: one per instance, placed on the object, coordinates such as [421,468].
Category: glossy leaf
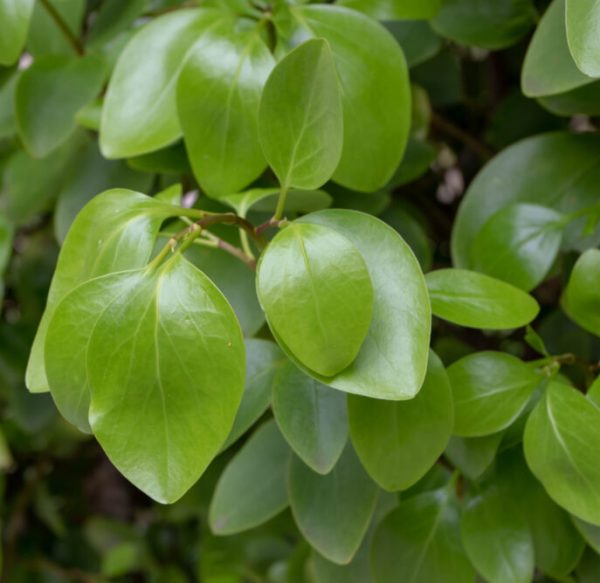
[333,511]
[218,97]
[376,122]
[184,361]
[566,172]
[473,455]
[490,390]
[311,416]
[140,113]
[14,16]
[518,244]
[117,229]
[300,119]
[264,360]
[394,10]
[420,542]
[491,25]
[252,488]
[583,22]
[497,538]
[582,296]
[314,287]
[398,442]
[549,67]
[475,300]
[561,438]
[392,361]
[49,94]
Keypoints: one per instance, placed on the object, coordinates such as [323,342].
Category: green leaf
[582,296]
[491,25]
[45,36]
[590,532]
[473,455]
[583,18]
[314,287]
[549,67]
[420,542]
[377,121]
[398,441]
[580,101]
[474,300]
[117,229]
[490,391]
[418,41]
[561,439]
[162,345]
[392,361]
[113,17]
[252,488]
[264,360]
[518,244]
[497,538]
[588,570]
[311,416]
[300,119]
[333,511]
[140,113]
[49,94]
[14,16]
[6,241]
[218,98]
[394,10]
[567,171]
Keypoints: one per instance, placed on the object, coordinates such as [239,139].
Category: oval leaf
[252,488]
[562,438]
[490,390]
[315,289]
[311,416]
[300,119]
[398,442]
[583,24]
[582,296]
[475,300]
[14,16]
[333,511]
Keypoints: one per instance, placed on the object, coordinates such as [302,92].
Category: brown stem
[236,252]
[447,127]
[43,565]
[64,27]
[272,222]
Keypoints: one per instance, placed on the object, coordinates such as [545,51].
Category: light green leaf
[549,67]
[264,360]
[117,229]
[252,488]
[14,16]
[582,296]
[218,97]
[300,119]
[392,361]
[311,416]
[420,542]
[497,538]
[49,94]
[377,121]
[518,244]
[492,25]
[473,455]
[333,511]
[561,439]
[140,113]
[490,391]
[165,364]
[567,172]
[395,10]
[314,287]
[474,300]
[593,393]
[398,441]
[583,34]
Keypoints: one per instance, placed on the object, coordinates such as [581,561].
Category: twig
[64,27]
[43,565]
[447,127]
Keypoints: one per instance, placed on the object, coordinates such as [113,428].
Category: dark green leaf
[311,416]
[473,455]
[398,441]
[252,488]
